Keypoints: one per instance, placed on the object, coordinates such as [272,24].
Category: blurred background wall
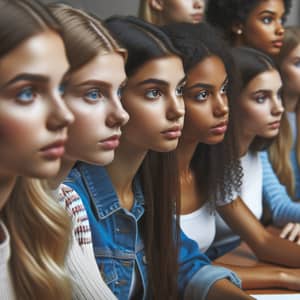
[106,8]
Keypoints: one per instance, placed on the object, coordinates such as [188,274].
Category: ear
[157,5]
[237,28]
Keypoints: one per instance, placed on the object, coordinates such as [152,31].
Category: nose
[117,116]
[60,116]
[277,107]
[198,3]
[220,108]
[279,28]
[175,108]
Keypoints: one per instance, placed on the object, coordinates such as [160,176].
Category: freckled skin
[92,96]
[32,119]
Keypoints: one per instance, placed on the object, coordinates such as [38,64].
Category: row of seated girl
[142,124]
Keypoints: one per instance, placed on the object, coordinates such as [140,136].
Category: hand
[291,232]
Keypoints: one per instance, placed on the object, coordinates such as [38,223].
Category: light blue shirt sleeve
[275,196]
[196,274]
[203,280]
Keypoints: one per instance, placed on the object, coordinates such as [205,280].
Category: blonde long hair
[39,230]
[279,152]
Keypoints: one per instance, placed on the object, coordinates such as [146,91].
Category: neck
[244,141]
[123,170]
[290,101]
[6,187]
[185,152]
[65,168]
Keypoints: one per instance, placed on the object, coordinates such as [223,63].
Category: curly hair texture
[223,14]
[217,167]
[39,228]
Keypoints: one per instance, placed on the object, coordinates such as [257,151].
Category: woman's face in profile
[33,116]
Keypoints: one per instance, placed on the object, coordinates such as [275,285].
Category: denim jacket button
[118,229]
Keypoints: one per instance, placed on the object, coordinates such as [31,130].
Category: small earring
[239,31]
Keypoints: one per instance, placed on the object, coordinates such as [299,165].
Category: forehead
[268,80]
[43,53]
[274,6]
[212,67]
[168,68]
[109,67]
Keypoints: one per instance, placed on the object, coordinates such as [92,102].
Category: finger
[285,231]
[294,233]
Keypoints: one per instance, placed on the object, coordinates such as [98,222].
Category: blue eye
[93,95]
[26,95]
[260,99]
[119,92]
[153,94]
[61,89]
[297,64]
[202,96]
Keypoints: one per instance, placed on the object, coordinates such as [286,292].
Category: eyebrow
[204,85]
[26,77]
[159,81]
[97,82]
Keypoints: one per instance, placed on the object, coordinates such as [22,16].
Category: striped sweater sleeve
[81,263]
[275,196]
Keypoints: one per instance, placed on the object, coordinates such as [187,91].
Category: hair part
[84,36]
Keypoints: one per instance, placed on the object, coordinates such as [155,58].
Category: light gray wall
[106,8]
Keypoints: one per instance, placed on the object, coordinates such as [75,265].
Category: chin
[44,172]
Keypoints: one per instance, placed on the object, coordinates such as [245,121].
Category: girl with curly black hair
[253,23]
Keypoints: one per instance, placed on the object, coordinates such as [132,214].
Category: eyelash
[24,92]
[99,95]
[157,93]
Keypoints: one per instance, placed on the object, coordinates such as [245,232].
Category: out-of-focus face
[33,116]
[153,99]
[263,28]
[259,106]
[205,97]
[93,95]
[191,11]
[290,71]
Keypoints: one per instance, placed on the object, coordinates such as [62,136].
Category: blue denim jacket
[117,240]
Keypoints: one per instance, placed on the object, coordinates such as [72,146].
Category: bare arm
[224,289]
[266,246]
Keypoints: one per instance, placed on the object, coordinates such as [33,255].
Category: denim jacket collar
[102,192]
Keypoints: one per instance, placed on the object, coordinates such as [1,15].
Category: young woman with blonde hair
[162,12]
[92,92]
[34,230]
[281,163]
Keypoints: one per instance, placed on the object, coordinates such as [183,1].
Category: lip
[111,143]
[277,43]
[54,150]
[219,128]
[274,125]
[172,133]
[197,17]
